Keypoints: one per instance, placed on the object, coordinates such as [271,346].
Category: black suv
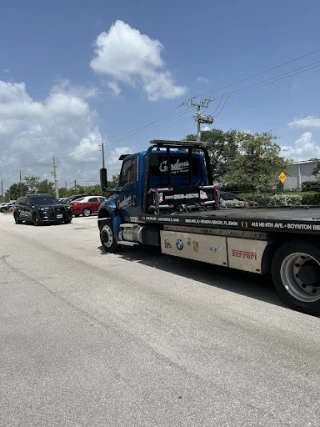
[40,209]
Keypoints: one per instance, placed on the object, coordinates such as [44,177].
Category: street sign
[282,177]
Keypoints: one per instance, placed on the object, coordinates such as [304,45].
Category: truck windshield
[180,169]
[179,165]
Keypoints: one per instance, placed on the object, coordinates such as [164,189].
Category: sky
[75,73]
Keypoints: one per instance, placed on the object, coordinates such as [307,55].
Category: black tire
[17,218]
[68,221]
[36,220]
[108,241]
[296,276]
[86,212]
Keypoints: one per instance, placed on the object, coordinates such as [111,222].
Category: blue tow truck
[166,197]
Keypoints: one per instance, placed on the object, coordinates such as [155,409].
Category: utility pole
[55,177]
[102,152]
[75,185]
[66,185]
[20,185]
[202,118]
[2,188]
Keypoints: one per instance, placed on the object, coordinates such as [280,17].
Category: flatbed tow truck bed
[283,241]
[285,219]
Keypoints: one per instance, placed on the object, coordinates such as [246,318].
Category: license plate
[59,216]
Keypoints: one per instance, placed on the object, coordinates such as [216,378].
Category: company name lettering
[244,254]
[211,222]
[182,196]
[127,201]
[288,226]
[175,167]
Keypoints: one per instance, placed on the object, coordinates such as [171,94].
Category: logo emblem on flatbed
[179,244]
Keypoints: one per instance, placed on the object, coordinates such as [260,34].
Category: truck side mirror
[103,179]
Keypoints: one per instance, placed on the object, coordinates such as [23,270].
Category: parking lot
[141,339]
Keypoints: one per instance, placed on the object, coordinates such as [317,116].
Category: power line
[173,117]
[273,79]
[155,124]
[149,124]
[222,108]
[233,93]
[260,73]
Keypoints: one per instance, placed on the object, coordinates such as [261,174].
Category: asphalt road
[140,339]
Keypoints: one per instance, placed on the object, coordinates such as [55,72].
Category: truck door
[129,198]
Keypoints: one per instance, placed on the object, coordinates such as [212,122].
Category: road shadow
[243,283]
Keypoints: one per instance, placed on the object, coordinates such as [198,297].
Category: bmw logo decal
[179,244]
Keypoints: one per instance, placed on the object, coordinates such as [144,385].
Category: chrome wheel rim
[86,212]
[300,274]
[106,236]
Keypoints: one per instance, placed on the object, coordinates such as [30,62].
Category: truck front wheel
[296,276]
[107,238]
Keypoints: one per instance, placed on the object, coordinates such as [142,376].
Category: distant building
[299,173]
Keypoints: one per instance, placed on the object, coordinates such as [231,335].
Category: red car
[86,205]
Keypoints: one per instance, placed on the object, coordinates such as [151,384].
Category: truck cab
[169,177]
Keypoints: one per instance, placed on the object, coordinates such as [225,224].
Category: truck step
[125,243]
[128,225]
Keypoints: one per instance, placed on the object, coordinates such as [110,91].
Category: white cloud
[62,125]
[84,92]
[310,122]
[87,148]
[201,79]
[132,58]
[304,148]
[113,160]
[205,128]
[114,86]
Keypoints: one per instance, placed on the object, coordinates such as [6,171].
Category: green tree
[80,189]
[316,172]
[63,192]
[15,191]
[94,190]
[46,187]
[222,147]
[32,183]
[114,181]
[257,164]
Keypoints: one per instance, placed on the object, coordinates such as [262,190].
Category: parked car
[226,196]
[41,208]
[74,197]
[86,205]
[4,207]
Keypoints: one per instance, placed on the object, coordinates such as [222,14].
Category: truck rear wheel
[296,276]
[107,238]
